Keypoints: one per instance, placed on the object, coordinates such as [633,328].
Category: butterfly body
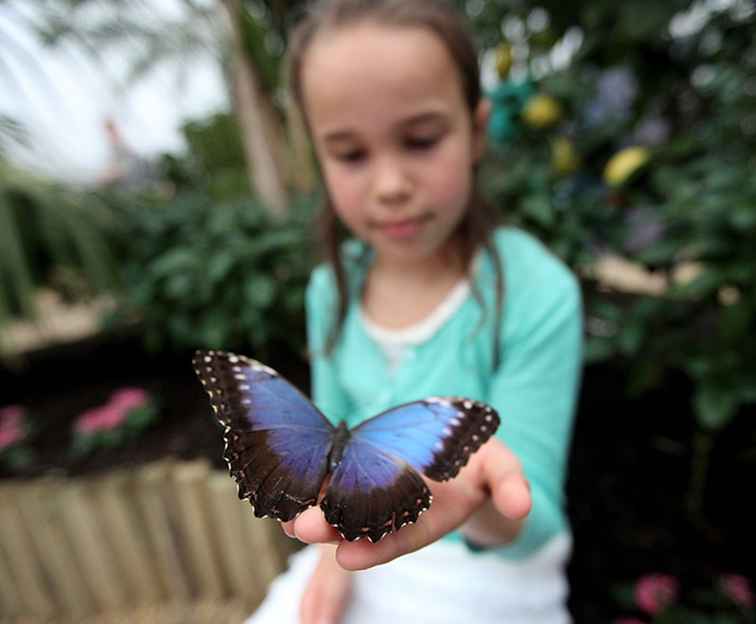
[280,449]
[340,440]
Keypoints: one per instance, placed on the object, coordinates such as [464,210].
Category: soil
[629,468]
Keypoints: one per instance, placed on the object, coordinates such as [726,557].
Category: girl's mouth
[403,229]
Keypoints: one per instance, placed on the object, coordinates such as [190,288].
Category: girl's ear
[480,128]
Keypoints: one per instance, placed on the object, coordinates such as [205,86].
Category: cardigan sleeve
[535,391]
[327,392]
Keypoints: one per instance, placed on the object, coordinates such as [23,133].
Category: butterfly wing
[372,493]
[277,442]
[376,489]
[435,436]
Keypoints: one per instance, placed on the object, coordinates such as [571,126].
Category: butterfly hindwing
[277,442]
[373,493]
[436,436]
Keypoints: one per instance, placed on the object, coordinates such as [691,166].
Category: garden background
[624,137]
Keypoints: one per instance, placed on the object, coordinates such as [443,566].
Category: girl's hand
[327,593]
[490,497]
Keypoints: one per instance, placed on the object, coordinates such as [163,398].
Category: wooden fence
[169,541]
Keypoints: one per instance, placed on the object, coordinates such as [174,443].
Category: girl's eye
[421,143]
[351,157]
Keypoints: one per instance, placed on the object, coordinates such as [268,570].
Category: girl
[429,298]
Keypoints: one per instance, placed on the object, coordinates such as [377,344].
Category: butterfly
[280,449]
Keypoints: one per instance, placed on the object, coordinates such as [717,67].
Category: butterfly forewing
[435,436]
[277,442]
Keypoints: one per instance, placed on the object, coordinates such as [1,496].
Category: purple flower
[655,592]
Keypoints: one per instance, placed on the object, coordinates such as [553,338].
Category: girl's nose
[392,184]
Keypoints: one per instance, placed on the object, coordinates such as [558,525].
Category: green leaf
[715,405]
[631,337]
[218,267]
[598,350]
[736,321]
[743,216]
[539,208]
[260,291]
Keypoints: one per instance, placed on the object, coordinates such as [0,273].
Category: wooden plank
[10,605]
[40,511]
[126,533]
[32,591]
[153,498]
[262,545]
[228,527]
[82,524]
[192,501]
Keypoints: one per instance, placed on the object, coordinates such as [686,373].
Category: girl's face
[394,136]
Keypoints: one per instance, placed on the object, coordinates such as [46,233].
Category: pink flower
[9,437]
[737,588]
[655,592]
[11,425]
[112,414]
[129,398]
[103,418]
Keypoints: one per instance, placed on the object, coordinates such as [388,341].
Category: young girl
[428,298]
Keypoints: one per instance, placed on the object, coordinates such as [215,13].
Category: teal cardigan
[534,387]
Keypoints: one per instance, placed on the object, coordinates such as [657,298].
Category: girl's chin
[406,250]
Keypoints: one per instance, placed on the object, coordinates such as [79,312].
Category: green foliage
[695,202]
[50,235]
[216,156]
[201,274]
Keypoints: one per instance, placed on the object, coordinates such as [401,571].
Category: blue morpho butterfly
[280,448]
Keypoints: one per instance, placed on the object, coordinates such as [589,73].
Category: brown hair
[476,228]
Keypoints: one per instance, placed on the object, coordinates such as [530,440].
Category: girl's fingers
[327,593]
[362,554]
[324,602]
[511,496]
[310,527]
[452,504]
[502,475]
[288,529]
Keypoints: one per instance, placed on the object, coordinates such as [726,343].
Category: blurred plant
[128,412]
[14,433]
[200,273]
[216,156]
[650,158]
[47,231]
[660,599]
[11,131]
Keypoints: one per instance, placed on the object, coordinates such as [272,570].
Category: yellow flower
[503,60]
[564,157]
[624,164]
[542,111]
